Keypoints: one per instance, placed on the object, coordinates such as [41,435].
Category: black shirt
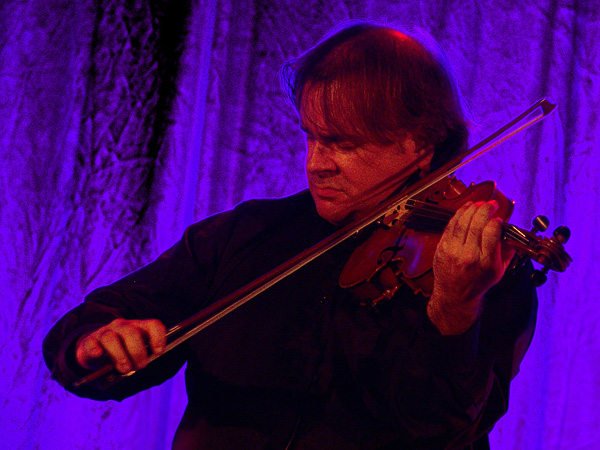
[304,362]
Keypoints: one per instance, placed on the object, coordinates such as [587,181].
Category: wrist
[452,316]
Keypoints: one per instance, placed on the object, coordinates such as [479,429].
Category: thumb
[507,254]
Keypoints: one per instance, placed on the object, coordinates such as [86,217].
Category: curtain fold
[123,122]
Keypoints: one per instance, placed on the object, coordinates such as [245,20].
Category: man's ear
[420,154]
[425,155]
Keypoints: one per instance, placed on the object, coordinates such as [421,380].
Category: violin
[400,250]
[405,231]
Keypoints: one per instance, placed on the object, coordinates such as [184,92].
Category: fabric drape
[123,122]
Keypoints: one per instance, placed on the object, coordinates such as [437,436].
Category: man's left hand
[469,259]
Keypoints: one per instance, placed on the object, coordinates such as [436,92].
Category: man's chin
[335,215]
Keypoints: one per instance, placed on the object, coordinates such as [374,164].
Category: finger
[92,348]
[134,343]
[450,228]
[88,350]
[463,223]
[157,335]
[491,237]
[480,220]
[113,346]
[141,336]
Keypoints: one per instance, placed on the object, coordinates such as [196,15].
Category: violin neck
[431,218]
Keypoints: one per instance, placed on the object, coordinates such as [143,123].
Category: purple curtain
[123,122]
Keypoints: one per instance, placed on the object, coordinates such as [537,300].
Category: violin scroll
[549,252]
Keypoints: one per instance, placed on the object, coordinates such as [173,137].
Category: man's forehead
[312,117]
[315,126]
[311,102]
[333,110]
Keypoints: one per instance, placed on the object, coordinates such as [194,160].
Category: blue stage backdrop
[123,122]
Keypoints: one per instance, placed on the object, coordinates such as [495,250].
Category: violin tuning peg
[538,278]
[562,234]
[540,223]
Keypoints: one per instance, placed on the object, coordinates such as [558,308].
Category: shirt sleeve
[170,289]
[442,391]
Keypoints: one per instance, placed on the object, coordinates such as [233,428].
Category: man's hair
[378,84]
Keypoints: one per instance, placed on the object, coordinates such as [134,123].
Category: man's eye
[345,145]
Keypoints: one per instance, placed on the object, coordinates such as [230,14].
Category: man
[303,365]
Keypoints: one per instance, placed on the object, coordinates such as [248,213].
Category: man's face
[347,180]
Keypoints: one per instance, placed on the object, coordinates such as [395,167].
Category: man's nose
[319,158]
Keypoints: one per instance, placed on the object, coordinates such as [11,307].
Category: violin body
[401,249]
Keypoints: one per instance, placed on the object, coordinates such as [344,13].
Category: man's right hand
[124,343]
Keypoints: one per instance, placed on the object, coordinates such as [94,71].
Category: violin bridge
[394,215]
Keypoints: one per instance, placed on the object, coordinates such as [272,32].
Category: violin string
[433,214]
[423,207]
[438,216]
[444,215]
[516,234]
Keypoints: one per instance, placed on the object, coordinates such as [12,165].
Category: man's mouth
[325,191]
